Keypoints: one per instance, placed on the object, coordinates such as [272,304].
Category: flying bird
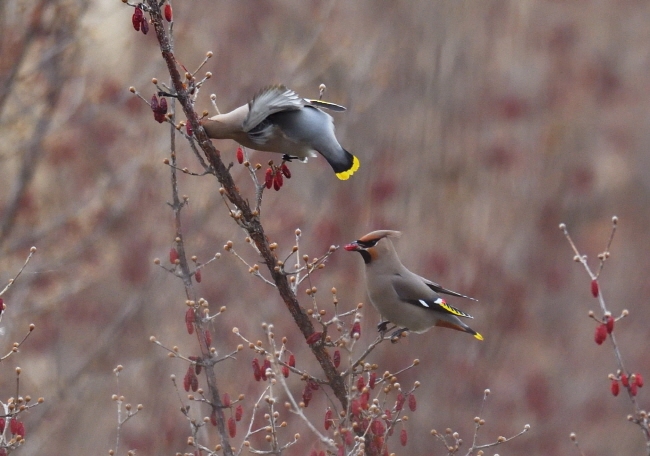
[278,120]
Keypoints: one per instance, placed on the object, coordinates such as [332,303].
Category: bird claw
[289,158]
[382,326]
[394,338]
[167,94]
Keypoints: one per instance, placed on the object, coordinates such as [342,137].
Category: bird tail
[344,166]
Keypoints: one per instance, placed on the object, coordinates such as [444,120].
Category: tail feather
[346,169]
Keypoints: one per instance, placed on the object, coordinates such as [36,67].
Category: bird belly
[281,144]
[402,314]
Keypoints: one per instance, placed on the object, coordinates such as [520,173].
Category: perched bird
[403,298]
[278,120]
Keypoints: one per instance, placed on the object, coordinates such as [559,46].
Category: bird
[278,120]
[402,297]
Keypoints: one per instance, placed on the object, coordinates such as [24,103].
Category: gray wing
[420,293]
[438,289]
[327,105]
[269,101]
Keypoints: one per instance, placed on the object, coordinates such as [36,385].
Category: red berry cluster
[379,425]
[632,382]
[273,177]
[259,372]
[191,381]
[15,427]
[232,421]
[138,20]
[308,392]
[159,108]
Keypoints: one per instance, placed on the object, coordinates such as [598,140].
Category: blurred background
[480,126]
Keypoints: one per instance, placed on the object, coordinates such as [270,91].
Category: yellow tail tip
[345,175]
[478,336]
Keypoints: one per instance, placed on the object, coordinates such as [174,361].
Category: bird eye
[367,244]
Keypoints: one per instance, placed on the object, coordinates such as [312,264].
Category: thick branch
[250,222]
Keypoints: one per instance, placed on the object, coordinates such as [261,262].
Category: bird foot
[382,326]
[167,94]
[394,338]
[288,158]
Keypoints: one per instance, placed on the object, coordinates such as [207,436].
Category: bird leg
[382,326]
[397,334]
[166,94]
[288,158]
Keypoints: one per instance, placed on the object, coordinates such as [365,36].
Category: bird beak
[352,247]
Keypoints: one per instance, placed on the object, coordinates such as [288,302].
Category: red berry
[239,411]
[412,403]
[173,255]
[213,418]
[624,380]
[2,425]
[633,389]
[188,129]
[226,400]
[328,419]
[285,371]
[187,380]
[277,180]
[364,400]
[638,380]
[197,275]
[609,324]
[377,427]
[168,12]
[137,17]
[601,334]
[266,366]
[315,337]
[355,407]
[240,155]
[403,437]
[307,395]
[189,320]
[360,383]
[313,453]
[373,379]
[194,380]
[337,358]
[399,404]
[13,426]
[292,361]
[198,367]
[257,372]
[341,451]
[163,106]
[208,338]
[594,288]
[232,427]
[268,178]
[286,171]
[614,387]
[21,429]
[356,329]
[144,26]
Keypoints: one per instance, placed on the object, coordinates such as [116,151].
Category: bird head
[367,245]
